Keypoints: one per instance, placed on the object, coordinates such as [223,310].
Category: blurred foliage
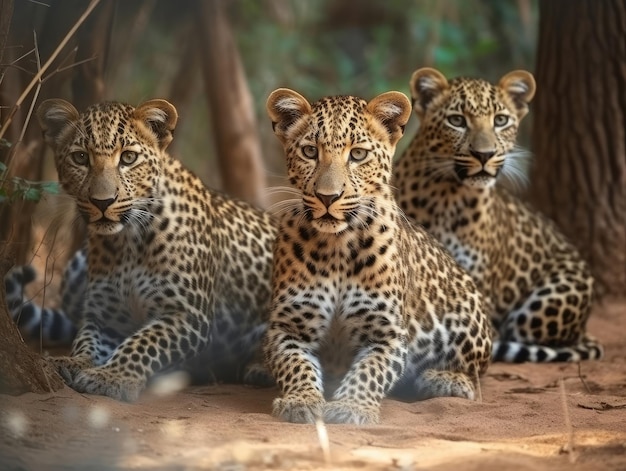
[375,46]
[15,189]
[318,47]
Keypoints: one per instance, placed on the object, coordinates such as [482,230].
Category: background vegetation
[322,47]
[318,47]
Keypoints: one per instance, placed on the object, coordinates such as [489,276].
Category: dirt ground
[532,417]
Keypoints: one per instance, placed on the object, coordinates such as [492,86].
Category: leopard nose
[327,200]
[102,205]
[482,156]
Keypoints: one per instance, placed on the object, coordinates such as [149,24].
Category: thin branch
[581,377]
[26,54]
[40,3]
[13,65]
[36,94]
[37,78]
[72,65]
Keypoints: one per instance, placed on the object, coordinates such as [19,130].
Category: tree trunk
[21,369]
[230,105]
[93,40]
[183,86]
[579,175]
[6,13]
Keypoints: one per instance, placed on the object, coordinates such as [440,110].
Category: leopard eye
[357,154]
[80,158]
[500,120]
[128,157]
[310,152]
[457,120]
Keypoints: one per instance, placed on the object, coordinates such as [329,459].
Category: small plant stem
[37,78]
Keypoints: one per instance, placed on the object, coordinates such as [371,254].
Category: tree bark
[6,13]
[231,107]
[21,369]
[579,135]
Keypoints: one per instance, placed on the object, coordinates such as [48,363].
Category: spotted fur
[538,288]
[176,272]
[361,299]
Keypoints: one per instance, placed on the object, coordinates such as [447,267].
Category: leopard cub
[175,275]
[538,289]
[360,295]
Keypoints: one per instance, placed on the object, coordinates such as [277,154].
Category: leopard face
[110,160]
[341,166]
[471,124]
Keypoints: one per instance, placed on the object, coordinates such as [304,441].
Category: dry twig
[38,76]
[569,447]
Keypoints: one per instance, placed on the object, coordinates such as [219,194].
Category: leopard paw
[298,410]
[344,412]
[69,367]
[436,383]
[108,383]
[257,374]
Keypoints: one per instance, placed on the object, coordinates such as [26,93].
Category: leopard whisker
[283,206]
[515,169]
[282,189]
[436,168]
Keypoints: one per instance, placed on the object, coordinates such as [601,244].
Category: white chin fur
[105,228]
[479,182]
[329,227]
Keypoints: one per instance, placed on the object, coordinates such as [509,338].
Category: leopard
[177,273]
[364,303]
[454,180]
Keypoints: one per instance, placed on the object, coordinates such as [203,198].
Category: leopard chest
[343,268]
[135,281]
[467,222]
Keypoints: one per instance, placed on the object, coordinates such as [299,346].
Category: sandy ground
[532,417]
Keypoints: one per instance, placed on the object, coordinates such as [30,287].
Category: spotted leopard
[538,287]
[176,272]
[360,297]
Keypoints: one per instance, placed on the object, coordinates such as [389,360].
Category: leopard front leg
[290,343]
[161,343]
[377,366]
[87,351]
[447,359]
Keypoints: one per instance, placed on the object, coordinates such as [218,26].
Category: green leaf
[32,194]
[50,187]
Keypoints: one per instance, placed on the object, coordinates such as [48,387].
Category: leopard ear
[160,116]
[520,86]
[426,84]
[285,107]
[54,116]
[393,110]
